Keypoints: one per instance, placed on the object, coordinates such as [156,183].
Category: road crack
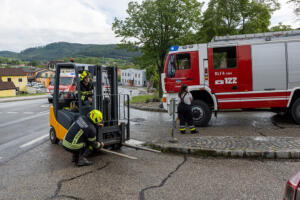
[277,125]
[61,182]
[142,192]
[257,129]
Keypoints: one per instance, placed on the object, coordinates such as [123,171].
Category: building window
[20,80]
[9,79]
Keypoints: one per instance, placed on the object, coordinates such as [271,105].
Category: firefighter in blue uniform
[81,137]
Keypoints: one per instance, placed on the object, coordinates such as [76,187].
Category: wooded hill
[58,50]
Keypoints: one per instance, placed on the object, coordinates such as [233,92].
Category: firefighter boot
[193,130]
[82,161]
[75,158]
[88,151]
[182,130]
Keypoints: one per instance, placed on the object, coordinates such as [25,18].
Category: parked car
[292,188]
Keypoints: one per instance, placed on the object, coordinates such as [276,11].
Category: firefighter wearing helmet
[86,88]
[81,137]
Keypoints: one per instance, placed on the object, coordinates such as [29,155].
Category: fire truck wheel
[201,113]
[52,136]
[295,111]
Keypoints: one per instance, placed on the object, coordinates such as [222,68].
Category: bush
[145,99]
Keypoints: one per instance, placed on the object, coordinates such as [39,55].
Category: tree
[229,17]
[155,25]
[281,27]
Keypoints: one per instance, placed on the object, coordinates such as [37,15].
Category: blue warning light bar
[174,48]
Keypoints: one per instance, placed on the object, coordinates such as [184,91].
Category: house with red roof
[15,75]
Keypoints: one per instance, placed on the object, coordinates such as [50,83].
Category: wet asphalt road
[44,171]
[20,124]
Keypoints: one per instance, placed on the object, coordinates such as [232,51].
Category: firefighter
[184,110]
[81,137]
[86,88]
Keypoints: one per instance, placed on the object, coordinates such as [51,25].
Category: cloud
[285,15]
[31,23]
[38,22]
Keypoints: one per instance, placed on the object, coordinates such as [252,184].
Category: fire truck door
[224,70]
[224,76]
[182,68]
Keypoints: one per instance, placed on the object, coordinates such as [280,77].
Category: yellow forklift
[68,106]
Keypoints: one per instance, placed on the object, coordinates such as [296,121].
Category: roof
[26,69]
[12,72]
[41,69]
[7,85]
[133,70]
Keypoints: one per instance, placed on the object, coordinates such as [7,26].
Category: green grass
[24,95]
[145,99]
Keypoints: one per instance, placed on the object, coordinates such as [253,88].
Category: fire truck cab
[237,72]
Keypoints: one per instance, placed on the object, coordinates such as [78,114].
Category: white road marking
[44,112]
[28,112]
[45,106]
[12,112]
[33,141]
[23,119]
[0,158]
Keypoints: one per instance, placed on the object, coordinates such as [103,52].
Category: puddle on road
[137,119]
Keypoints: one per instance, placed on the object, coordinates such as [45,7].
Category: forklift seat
[66,117]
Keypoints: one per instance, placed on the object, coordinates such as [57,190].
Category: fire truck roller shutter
[269,67]
[293,50]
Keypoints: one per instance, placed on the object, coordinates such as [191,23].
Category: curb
[237,153]
[148,109]
[12,99]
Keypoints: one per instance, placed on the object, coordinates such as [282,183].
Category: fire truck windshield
[171,67]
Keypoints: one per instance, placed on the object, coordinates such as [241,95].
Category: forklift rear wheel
[50,100]
[52,136]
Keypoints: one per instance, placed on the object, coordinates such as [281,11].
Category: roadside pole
[173,106]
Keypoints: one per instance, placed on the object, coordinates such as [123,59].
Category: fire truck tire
[52,136]
[201,113]
[295,111]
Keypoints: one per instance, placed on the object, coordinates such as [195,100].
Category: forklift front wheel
[116,146]
[52,136]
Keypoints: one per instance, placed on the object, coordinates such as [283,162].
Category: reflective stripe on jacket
[81,133]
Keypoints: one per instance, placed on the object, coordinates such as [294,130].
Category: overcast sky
[31,23]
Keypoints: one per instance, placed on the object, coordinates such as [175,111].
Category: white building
[133,77]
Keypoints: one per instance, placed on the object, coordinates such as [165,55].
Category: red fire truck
[237,72]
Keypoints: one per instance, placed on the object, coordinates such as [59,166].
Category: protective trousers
[185,117]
